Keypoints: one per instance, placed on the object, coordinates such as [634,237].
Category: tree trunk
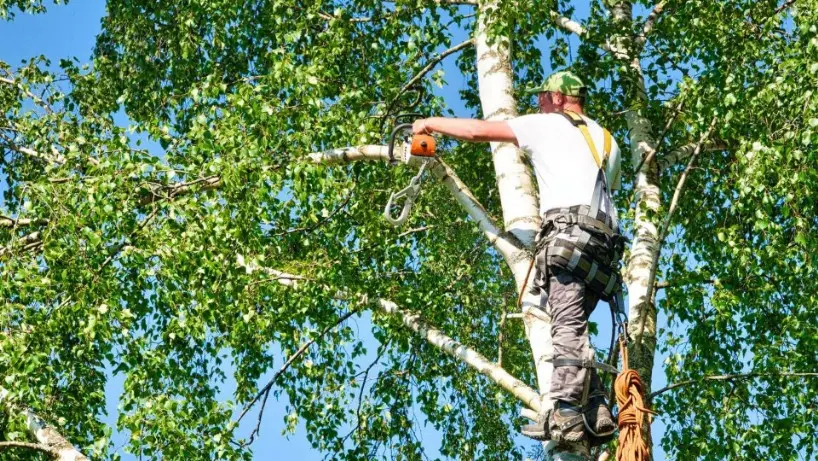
[520,203]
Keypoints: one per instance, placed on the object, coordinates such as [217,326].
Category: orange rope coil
[630,393]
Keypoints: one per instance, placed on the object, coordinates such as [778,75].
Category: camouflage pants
[570,306]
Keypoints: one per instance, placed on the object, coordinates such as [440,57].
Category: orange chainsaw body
[423,145]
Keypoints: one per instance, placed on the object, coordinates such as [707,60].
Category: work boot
[566,423]
[601,425]
[562,424]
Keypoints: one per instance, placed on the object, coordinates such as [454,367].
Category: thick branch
[730,377]
[43,433]
[54,157]
[508,245]
[25,242]
[567,24]
[283,278]
[342,155]
[469,356]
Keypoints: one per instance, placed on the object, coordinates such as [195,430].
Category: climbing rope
[630,393]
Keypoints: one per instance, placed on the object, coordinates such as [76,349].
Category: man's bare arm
[466,129]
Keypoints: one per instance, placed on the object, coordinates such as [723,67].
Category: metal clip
[624,338]
[409,193]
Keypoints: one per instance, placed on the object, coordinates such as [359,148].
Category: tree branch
[426,69]
[730,377]
[28,93]
[43,433]
[667,284]
[650,22]
[508,246]
[653,150]
[784,6]
[470,357]
[205,183]
[368,152]
[323,220]
[282,278]
[265,391]
[686,151]
[419,229]
[450,2]
[27,241]
[30,446]
[5,221]
[434,62]
[54,157]
[567,24]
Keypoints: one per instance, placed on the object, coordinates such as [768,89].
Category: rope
[630,393]
[525,282]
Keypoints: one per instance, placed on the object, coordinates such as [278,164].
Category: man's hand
[421,127]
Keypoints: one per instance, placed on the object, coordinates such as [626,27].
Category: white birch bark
[646,245]
[641,312]
[519,200]
[643,250]
[44,434]
[518,194]
[467,355]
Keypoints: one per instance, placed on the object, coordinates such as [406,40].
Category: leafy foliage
[128,249]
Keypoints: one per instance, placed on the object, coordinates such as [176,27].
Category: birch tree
[251,238]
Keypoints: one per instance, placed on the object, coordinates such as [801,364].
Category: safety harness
[584,241]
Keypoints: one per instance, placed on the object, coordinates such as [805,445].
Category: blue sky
[69,31]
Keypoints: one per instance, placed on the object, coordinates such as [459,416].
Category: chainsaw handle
[407,115]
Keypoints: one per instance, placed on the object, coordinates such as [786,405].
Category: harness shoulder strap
[579,122]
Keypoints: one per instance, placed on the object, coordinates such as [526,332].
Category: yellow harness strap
[579,122]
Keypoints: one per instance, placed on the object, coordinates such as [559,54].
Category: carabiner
[410,194]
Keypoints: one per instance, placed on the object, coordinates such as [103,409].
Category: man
[565,156]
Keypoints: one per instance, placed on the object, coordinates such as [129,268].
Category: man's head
[560,91]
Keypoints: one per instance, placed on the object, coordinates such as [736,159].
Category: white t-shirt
[565,168]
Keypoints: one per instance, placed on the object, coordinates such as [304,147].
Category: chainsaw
[420,146]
